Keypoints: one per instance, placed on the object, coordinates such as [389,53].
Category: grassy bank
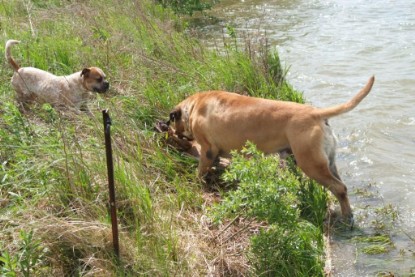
[53,189]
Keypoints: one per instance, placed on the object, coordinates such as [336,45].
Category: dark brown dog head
[93,79]
[180,121]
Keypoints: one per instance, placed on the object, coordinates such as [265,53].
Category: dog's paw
[346,222]
[349,221]
[339,222]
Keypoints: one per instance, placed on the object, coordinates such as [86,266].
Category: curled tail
[348,106]
[8,54]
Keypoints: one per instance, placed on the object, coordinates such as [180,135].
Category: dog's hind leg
[316,166]
[329,143]
[333,170]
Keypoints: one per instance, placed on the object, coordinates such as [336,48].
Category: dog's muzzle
[103,88]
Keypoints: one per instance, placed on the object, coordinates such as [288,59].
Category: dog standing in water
[222,121]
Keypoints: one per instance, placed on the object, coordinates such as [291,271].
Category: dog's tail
[8,55]
[348,106]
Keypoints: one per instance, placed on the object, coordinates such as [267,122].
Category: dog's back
[227,120]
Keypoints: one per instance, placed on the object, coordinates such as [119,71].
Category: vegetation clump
[289,244]
[53,190]
[374,244]
[188,7]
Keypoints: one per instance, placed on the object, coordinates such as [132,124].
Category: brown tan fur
[222,121]
[35,85]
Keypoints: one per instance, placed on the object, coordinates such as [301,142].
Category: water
[332,48]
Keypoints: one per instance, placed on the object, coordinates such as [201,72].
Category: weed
[376,244]
[287,251]
[274,195]
[388,211]
[26,261]
[187,6]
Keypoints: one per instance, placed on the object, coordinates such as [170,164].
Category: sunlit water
[331,49]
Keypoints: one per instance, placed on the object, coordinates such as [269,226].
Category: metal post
[110,167]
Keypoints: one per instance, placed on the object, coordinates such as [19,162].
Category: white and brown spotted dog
[72,91]
[222,121]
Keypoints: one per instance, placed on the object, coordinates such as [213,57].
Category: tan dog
[222,121]
[35,85]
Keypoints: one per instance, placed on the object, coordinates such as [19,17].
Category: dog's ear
[85,72]
[175,115]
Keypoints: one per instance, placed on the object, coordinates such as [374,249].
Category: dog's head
[93,79]
[180,123]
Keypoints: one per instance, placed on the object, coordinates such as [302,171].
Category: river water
[331,49]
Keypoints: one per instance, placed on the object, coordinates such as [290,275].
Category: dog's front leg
[84,108]
[208,155]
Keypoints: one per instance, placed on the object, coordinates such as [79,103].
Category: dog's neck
[76,78]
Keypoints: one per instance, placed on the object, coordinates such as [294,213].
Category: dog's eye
[99,79]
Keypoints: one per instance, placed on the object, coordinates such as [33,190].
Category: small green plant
[293,251]
[188,7]
[25,261]
[290,245]
[31,253]
[265,191]
[375,244]
[388,211]
[9,267]
[15,128]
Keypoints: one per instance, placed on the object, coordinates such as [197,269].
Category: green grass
[289,245]
[53,185]
[375,244]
